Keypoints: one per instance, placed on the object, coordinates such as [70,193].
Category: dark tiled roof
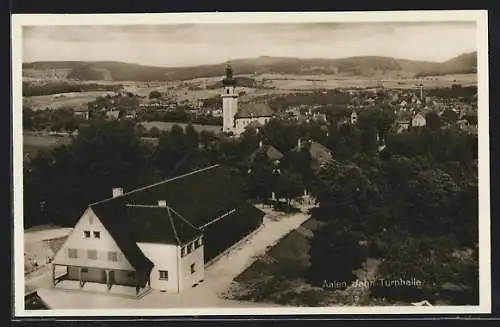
[319,153]
[153,224]
[198,196]
[270,151]
[111,214]
[249,110]
[193,200]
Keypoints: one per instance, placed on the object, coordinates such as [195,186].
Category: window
[86,233]
[97,234]
[85,270]
[192,268]
[188,248]
[197,243]
[183,251]
[92,254]
[227,91]
[73,253]
[113,256]
[163,274]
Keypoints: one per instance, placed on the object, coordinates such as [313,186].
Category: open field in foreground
[280,276]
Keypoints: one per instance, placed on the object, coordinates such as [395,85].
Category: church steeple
[229,80]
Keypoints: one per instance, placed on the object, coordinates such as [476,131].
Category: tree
[449,117]
[206,137]
[368,140]
[103,155]
[345,194]
[432,120]
[290,186]
[377,118]
[192,136]
[443,272]
[193,160]
[154,95]
[28,115]
[172,147]
[335,254]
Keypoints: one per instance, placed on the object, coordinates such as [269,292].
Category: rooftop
[192,201]
[254,110]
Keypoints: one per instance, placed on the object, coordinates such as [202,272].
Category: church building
[238,116]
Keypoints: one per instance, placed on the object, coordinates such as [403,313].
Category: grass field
[280,276]
[285,82]
[33,143]
[55,101]
[167,126]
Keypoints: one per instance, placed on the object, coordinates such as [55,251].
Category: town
[172,166]
[283,149]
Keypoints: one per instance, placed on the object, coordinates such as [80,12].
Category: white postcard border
[478,16]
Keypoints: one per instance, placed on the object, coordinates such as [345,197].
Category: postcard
[251,163]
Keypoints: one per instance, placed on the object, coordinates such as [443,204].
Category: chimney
[117,191]
[260,144]
[162,203]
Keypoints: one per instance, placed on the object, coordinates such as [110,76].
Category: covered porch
[100,279]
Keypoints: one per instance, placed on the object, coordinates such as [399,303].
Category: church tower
[229,101]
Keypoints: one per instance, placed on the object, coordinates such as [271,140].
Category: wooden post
[108,281]
[53,275]
[80,276]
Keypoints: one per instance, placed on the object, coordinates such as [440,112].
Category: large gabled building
[159,236]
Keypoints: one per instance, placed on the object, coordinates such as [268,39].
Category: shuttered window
[73,253]
[113,256]
[92,254]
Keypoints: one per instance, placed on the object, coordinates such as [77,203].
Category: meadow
[34,142]
[56,101]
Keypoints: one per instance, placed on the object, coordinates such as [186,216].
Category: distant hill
[462,64]
[352,66]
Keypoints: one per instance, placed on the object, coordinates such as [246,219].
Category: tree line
[31,89]
[413,205]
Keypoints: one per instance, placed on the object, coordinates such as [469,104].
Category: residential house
[271,153]
[354,117]
[113,114]
[418,120]
[320,154]
[82,113]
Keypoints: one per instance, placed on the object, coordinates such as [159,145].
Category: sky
[198,44]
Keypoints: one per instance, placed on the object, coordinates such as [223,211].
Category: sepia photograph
[251,163]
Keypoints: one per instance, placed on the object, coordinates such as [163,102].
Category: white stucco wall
[165,257]
[188,279]
[229,108]
[418,121]
[242,123]
[76,240]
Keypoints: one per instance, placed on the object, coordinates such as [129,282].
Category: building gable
[91,245]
